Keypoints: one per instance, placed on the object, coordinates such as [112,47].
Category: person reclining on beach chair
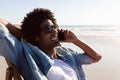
[41,57]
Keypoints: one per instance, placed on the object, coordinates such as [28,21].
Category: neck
[50,52]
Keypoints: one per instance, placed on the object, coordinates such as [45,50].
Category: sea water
[103,30]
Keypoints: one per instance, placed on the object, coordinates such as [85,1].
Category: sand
[106,69]
[109,66]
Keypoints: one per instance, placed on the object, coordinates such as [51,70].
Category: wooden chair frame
[11,72]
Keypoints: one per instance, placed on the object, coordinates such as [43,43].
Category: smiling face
[48,37]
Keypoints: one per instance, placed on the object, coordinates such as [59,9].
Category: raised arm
[14,29]
[88,50]
[70,37]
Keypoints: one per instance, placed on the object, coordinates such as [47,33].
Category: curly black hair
[31,23]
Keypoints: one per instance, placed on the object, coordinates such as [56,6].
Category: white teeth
[54,39]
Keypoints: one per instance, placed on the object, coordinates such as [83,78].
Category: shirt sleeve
[3,31]
[84,59]
[81,58]
[10,46]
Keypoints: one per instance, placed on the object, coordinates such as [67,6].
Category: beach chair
[11,72]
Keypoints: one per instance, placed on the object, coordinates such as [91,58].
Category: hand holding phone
[66,36]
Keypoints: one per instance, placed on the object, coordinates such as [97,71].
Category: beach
[109,66]
[106,69]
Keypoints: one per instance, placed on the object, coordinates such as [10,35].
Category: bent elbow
[98,58]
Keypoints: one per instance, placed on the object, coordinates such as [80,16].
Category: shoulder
[61,49]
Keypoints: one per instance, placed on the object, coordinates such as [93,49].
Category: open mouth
[54,39]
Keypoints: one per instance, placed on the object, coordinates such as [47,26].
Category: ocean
[108,30]
[103,39]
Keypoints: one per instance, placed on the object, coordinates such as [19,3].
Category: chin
[57,44]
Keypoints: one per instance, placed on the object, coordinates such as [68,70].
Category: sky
[67,12]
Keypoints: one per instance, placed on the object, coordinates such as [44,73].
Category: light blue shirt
[33,63]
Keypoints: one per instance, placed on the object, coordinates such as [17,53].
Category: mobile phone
[61,35]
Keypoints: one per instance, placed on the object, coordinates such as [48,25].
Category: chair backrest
[12,72]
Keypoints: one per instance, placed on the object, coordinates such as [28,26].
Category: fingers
[64,31]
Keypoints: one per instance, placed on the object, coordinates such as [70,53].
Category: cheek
[45,39]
